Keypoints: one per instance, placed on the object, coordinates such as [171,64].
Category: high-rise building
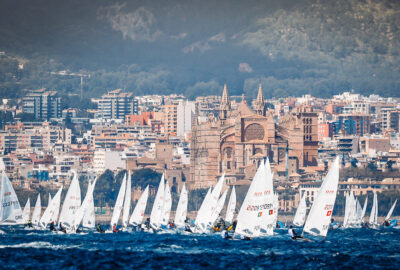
[185,114]
[117,105]
[171,119]
[43,104]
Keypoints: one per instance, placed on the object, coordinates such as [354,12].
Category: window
[174,180]
[228,165]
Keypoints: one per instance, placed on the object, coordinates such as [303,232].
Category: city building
[239,139]
[117,105]
[185,114]
[44,105]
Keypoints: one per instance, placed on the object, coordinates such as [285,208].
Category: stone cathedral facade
[237,140]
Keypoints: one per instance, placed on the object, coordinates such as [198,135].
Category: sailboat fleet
[257,216]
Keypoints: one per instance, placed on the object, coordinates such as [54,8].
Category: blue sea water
[350,248]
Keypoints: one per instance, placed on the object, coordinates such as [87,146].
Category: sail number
[259,207]
[6,204]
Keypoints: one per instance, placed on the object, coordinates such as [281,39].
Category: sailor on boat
[52,227]
[187,226]
[61,228]
[28,224]
[292,233]
[220,225]
[232,227]
[115,230]
[99,228]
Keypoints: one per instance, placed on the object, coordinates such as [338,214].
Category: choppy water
[351,248]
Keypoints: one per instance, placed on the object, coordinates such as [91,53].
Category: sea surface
[342,248]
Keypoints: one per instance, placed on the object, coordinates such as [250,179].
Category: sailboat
[157,210]
[10,209]
[320,215]
[218,208]
[127,203]
[71,203]
[26,212]
[85,209]
[373,218]
[253,207]
[204,217]
[119,203]
[389,214]
[36,212]
[52,210]
[269,218]
[364,210]
[181,210]
[166,210]
[300,216]
[201,214]
[138,213]
[230,210]
[89,218]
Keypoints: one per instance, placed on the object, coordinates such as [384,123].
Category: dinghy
[127,203]
[218,208]
[181,210]
[10,209]
[204,219]
[373,218]
[36,212]
[320,215]
[157,210]
[254,206]
[138,213]
[89,218]
[85,209]
[300,216]
[51,212]
[202,213]
[72,203]
[119,203]
[392,223]
[269,218]
[166,209]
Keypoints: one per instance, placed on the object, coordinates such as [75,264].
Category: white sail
[27,211]
[37,211]
[253,207]
[157,210]
[373,218]
[181,209]
[85,209]
[300,216]
[119,203]
[320,215]
[269,218]
[218,208]
[167,205]
[138,213]
[230,210]
[89,217]
[391,211]
[351,211]
[72,203]
[346,210]
[364,209]
[49,201]
[201,217]
[358,213]
[52,210]
[127,202]
[10,209]
[213,203]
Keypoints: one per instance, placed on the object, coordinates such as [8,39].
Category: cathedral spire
[225,105]
[260,95]
[259,104]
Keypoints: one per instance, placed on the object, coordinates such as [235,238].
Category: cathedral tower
[225,105]
[259,104]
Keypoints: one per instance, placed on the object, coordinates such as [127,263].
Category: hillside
[194,47]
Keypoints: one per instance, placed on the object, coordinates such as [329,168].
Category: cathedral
[238,139]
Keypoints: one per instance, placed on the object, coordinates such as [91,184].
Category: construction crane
[67,73]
